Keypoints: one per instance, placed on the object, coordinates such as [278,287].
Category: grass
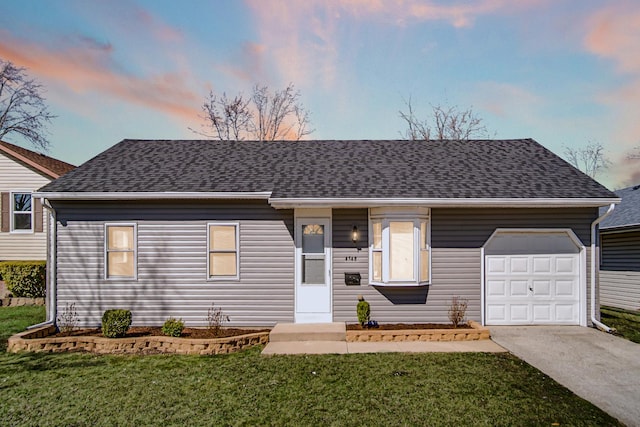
[249,389]
[16,319]
[626,323]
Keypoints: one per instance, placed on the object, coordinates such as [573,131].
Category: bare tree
[265,116]
[23,110]
[590,159]
[445,122]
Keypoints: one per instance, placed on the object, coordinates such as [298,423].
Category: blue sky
[561,72]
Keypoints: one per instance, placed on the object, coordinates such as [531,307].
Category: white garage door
[532,288]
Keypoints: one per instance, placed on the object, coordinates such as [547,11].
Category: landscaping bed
[148,340]
[473,331]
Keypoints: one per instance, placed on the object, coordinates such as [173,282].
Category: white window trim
[12,213]
[135,250]
[399,214]
[223,278]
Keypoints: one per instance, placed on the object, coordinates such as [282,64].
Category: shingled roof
[627,213]
[50,167]
[335,169]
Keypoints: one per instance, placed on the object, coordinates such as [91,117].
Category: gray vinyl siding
[620,270]
[457,236]
[172,263]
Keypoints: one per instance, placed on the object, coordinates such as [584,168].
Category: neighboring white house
[23,223]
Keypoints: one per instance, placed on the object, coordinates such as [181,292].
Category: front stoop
[296,332]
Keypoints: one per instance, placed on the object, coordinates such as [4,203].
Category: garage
[534,277]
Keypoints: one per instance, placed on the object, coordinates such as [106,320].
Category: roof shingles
[335,169]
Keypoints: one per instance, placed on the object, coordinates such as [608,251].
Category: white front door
[313,270]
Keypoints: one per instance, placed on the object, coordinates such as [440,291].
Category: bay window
[400,246]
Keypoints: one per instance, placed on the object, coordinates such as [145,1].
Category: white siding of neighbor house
[21,246]
[172,264]
[620,289]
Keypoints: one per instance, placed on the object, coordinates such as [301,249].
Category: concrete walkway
[331,338]
[596,366]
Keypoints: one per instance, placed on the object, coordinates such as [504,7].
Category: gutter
[594,225]
[52,298]
[168,195]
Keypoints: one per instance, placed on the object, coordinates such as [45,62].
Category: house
[620,258]
[22,220]
[294,232]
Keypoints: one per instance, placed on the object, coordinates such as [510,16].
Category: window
[21,212]
[120,251]
[223,251]
[400,247]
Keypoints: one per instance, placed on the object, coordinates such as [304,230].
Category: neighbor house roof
[627,213]
[50,167]
[307,171]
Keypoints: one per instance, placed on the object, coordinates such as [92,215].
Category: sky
[563,72]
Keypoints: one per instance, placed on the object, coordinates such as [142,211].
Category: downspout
[594,237]
[51,264]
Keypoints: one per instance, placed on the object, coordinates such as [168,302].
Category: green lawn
[626,323]
[249,389]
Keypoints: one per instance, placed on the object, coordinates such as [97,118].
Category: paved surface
[343,347]
[598,367]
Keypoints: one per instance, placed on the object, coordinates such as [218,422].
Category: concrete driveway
[596,366]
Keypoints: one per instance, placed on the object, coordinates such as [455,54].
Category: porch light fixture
[355,235]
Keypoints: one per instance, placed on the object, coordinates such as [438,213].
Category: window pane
[377,266]
[120,237]
[313,269]
[401,251]
[313,239]
[424,265]
[22,221]
[22,202]
[222,264]
[377,234]
[120,264]
[222,238]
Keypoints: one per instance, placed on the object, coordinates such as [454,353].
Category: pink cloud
[89,68]
[613,33]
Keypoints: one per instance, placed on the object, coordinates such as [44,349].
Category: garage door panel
[518,265]
[519,288]
[542,288]
[532,289]
[542,265]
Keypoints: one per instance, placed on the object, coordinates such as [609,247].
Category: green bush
[25,279]
[115,323]
[364,311]
[173,327]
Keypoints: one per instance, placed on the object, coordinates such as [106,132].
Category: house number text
[351,258]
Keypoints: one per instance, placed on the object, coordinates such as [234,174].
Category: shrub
[173,327]
[216,319]
[457,310]
[115,323]
[25,279]
[364,310]
[68,319]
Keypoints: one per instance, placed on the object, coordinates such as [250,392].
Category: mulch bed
[150,331]
[400,326]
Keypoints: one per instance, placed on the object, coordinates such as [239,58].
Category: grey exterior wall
[172,263]
[457,236]
[620,270]
[172,254]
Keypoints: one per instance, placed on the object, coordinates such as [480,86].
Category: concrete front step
[293,332]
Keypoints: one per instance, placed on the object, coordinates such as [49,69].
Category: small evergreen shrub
[115,323]
[364,311]
[173,327]
[25,279]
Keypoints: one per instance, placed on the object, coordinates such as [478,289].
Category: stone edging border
[36,341]
[473,332]
[16,302]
